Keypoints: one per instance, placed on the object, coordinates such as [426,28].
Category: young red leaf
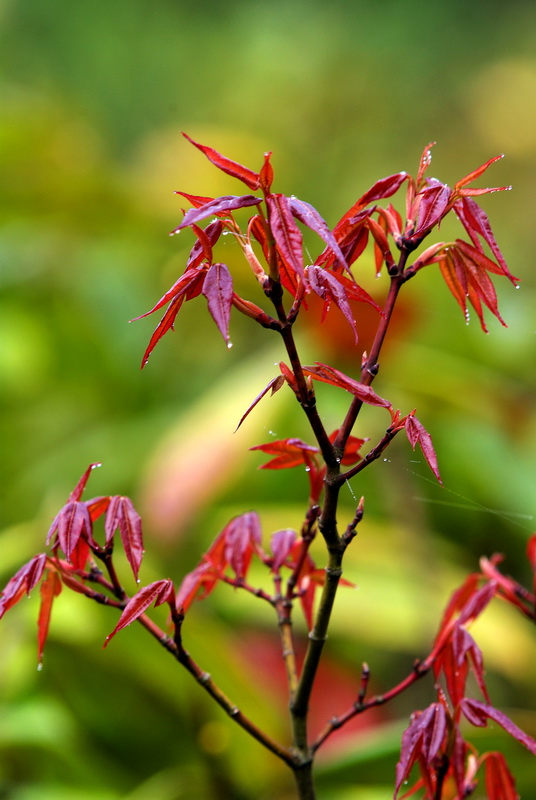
[327,374]
[71,523]
[122,515]
[479,713]
[202,249]
[433,202]
[158,592]
[326,285]
[416,432]
[288,452]
[476,223]
[308,215]
[275,384]
[477,173]
[242,536]
[383,188]
[97,507]
[220,205]
[531,552]
[266,175]
[189,279]
[22,582]
[195,199]
[355,292]
[76,494]
[426,160]
[50,588]
[281,544]
[500,783]
[351,449]
[286,233]
[218,289]
[421,740]
[166,324]
[196,585]
[247,176]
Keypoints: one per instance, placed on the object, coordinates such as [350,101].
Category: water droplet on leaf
[229,345]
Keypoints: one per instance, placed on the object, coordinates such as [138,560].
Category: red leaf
[202,249]
[247,176]
[326,285]
[187,280]
[158,592]
[416,432]
[476,223]
[426,160]
[286,233]
[22,582]
[327,374]
[72,522]
[242,536]
[351,449]
[433,202]
[50,588]
[203,578]
[355,292]
[281,544]
[76,494]
[476,173]
[122,514]
[308,214]
[220,205]
[500,783]
[218,289]
[97,507]
[275,384]
[478,714]
[422,739]
[288,452]
[266,174]
[166,323]
[383,188]
[195,199]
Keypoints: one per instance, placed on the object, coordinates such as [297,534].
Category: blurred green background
[93,97]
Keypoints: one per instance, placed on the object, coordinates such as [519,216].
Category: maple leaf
[281,544]
[327,374]
[479,713]
[220,205]
[423,739]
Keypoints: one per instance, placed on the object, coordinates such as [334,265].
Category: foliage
[272,244]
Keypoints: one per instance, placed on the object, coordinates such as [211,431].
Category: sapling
[434,753]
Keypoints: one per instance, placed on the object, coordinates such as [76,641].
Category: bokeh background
[93,98]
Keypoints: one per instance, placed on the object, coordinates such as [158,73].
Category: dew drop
[138,581]
[338,460]
[39,667]
[229,345]
[388,460]
[308,469]
[517,286]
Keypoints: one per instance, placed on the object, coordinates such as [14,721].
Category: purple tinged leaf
[220,205]
[383,188]
[326,285]
[275,384]
[218,289]
[281,544]
[478,714]
[308,214]
[423,738]
[158,592]
[286,233]
[475,221]
[122,515]
[242,535]
[72,522]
